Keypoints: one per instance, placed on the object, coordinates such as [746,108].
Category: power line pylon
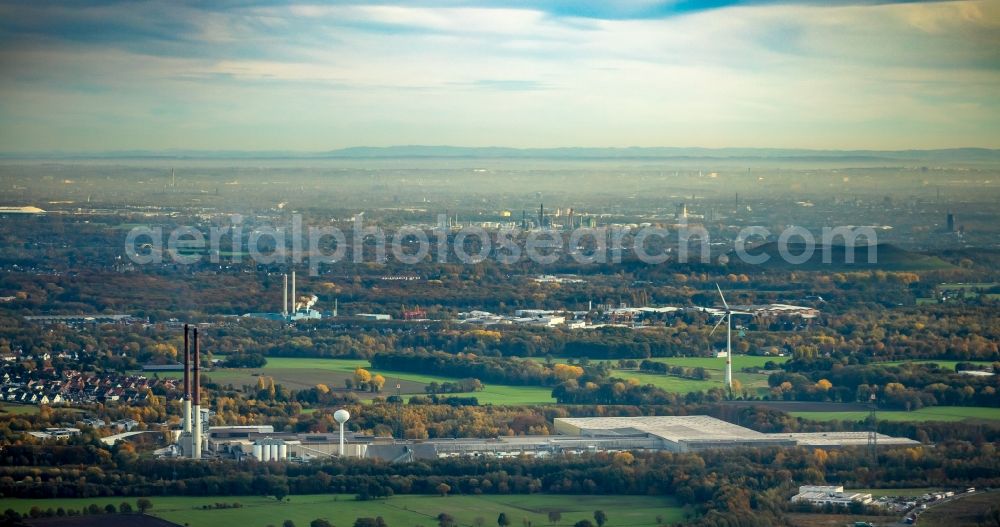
[872,431]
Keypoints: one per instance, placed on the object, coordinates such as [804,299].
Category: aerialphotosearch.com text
[323,245]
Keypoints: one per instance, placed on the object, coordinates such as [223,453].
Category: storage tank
[258,452]
[274,452]
[282,451]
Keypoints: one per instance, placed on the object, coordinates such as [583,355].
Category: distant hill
[956,155]
[775,154]
[888,257]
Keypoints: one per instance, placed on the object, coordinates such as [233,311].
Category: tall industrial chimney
[196,432]
[187,382]
[294,298]
[284,302]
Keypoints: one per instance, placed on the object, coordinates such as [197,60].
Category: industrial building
[698,432]
[71,320]
[21,210]
[575,436]
[820,495]
[263,444]
[677,433]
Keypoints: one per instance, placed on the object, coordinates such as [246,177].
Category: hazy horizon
[446,150]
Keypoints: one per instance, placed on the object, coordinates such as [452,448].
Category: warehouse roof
[819,439]
[673,428]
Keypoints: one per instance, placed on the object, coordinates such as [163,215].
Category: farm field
[299,373]
[402,510]
[302,373]
[719,363]
[18,409]
[709,363]
[715,366]
[932,413]
[947,364]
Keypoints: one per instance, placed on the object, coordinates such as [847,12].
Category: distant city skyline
[266,75]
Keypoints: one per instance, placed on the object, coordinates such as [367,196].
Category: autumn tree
[362,377]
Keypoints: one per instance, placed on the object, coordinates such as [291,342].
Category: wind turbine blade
[716,326]
[740,313]
[721,296]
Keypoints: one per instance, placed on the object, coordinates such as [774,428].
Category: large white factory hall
[575,435]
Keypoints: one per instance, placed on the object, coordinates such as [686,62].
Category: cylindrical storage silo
[274,452]
[282,451]
[258,452]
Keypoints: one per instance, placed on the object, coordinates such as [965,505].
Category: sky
[110,75]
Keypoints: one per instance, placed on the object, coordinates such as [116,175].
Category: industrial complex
[295,308]
[575,436]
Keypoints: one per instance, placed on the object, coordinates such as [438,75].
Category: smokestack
[187,382]
[294,298]
[284,302]
[196,433]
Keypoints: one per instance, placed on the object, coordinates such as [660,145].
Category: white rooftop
[673,428]
[704,429]
[819,439]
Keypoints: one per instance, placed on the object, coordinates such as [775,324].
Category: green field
[18,409]
[715,366]
[932,413]
[299,373]
[718,363]
[398,511]
[946,364]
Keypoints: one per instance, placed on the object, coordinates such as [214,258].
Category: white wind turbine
[727,316]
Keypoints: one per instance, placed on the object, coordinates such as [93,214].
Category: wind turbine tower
[727,316]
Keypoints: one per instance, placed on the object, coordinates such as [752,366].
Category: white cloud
[313,77]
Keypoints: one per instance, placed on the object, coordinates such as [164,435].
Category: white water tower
[341,416]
